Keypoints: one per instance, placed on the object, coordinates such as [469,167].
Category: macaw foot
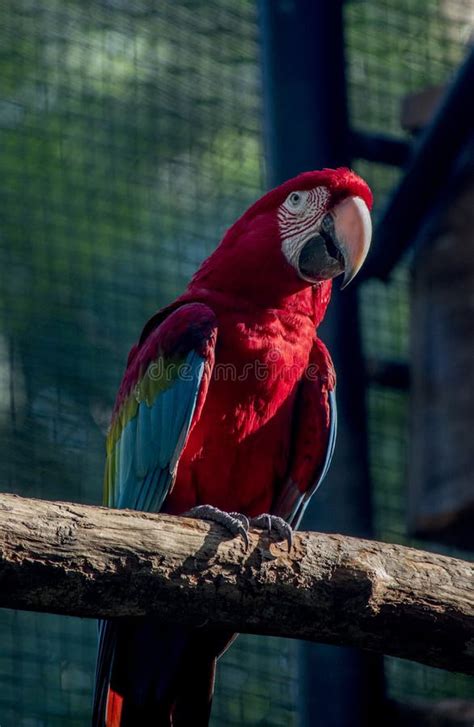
[276,524]
[234,522]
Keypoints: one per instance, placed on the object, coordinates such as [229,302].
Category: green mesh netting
[130,137]
[395,47]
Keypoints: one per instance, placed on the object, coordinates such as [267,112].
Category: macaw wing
[159,400]
[315,429]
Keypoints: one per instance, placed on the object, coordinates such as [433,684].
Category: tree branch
[90,561]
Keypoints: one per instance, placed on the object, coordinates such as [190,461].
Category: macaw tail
[151,674]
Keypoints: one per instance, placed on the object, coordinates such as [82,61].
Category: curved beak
[353,233]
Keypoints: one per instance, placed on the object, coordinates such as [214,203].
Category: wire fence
[130,138]
[394,48]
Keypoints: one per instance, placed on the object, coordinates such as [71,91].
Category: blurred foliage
[115,190]
[130,136]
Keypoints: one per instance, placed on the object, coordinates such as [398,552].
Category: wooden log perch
[91,561]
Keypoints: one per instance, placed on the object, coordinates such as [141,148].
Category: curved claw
[235,522]
[268,522]
[242,518]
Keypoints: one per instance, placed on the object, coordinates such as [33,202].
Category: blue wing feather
[151,442]
[148,433]
[300,509]
[155,417]
[294,497]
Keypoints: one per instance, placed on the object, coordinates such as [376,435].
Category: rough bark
[90,561]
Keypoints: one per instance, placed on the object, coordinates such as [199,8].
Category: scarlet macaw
[227,411]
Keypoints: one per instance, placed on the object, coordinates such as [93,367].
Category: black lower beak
[320,257]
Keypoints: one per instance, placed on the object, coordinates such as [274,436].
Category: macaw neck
[312,301]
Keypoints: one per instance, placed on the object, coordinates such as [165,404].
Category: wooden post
[442,333]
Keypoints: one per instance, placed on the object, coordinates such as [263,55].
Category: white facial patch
[299,218]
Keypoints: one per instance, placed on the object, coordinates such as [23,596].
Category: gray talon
[277,524]
[242,518]
[235,522]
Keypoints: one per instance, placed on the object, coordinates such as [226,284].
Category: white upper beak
[353,229]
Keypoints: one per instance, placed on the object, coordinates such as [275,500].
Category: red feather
[114,709]
[261,426]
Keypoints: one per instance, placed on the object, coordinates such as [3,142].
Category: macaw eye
[295,201]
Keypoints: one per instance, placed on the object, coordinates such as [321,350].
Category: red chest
[237,453]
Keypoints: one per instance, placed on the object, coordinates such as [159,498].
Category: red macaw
[226,411]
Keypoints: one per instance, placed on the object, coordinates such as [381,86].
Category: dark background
[132,133]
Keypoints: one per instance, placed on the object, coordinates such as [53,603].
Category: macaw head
[300,235]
